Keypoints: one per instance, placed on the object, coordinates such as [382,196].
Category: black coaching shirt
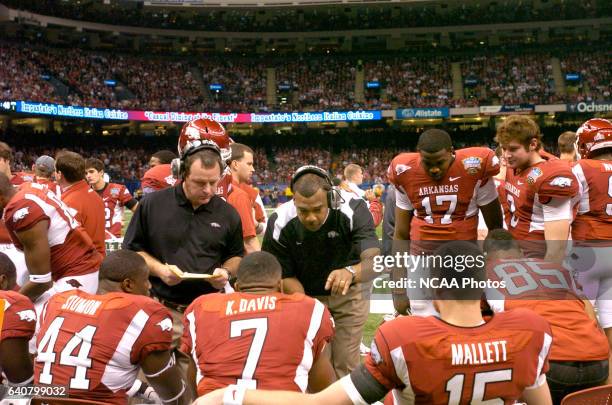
[311,256]
[166,226]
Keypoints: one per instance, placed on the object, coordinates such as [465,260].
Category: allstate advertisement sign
[422,113]
[590,107]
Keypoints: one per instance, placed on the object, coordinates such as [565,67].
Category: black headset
[334,200]
[178,164]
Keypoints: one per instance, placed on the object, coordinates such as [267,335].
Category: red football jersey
[115,197]
[527,191]
[72,251]
[94,343]
[445,209]
[53,186]
[157,178]
[225,186]
[260,215]
[441,364]
[549,290]
[19,316]
[22,177]
[88,209]
[594,218]
[259,341]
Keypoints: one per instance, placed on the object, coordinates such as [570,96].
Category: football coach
[326,243]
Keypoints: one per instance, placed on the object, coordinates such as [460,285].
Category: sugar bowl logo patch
[472,164]
[535,173]
[114,192]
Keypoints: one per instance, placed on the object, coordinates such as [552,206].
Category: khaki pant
[350,313]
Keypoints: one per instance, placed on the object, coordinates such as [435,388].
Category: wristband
[233,395]
[135,388]
[40,278]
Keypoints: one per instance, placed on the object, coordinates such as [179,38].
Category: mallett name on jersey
[478,353]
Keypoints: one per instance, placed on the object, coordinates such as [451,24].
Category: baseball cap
[46,163]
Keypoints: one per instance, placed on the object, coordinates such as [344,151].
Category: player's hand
[339,281]
[221,279]
[212,398]
[369,195]
[169,276]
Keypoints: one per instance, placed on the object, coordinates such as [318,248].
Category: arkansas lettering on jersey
[93,344]
[258,341]
[19,316]
[440,363]
[157,178]
[445,209]
[549,290]
[72,251]
[594,217]
[528,191]
[115,197]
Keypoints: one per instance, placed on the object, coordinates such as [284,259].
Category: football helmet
[594,134]
[204,133]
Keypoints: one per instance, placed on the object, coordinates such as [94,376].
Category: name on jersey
[265,303]
[478,353]
[513,189]
[81,305]
[444,188]
[607,167]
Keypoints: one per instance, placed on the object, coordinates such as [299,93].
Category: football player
[115,196]
[58,252]
[538,191]
[17,328]
[259,337]
[241,168]
[580,347]
[592,226]
[439,192]
[458,358]
[159,175]
[95,344]
[6,158]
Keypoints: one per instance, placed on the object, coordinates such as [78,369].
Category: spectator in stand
[86,205]
[567,146]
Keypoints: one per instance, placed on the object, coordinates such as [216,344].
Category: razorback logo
[165,325]
[27,315]
[399,169]
[561,182]
[74,283]
[21,214]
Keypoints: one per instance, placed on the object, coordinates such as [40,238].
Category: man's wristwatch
[351,270]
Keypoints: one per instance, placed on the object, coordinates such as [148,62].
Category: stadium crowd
[302,83]
[319,18]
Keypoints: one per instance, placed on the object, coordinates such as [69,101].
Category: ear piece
[334,199]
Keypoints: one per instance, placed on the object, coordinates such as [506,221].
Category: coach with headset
[325,241]
[188,228]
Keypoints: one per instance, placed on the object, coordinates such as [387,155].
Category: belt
[173,305]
